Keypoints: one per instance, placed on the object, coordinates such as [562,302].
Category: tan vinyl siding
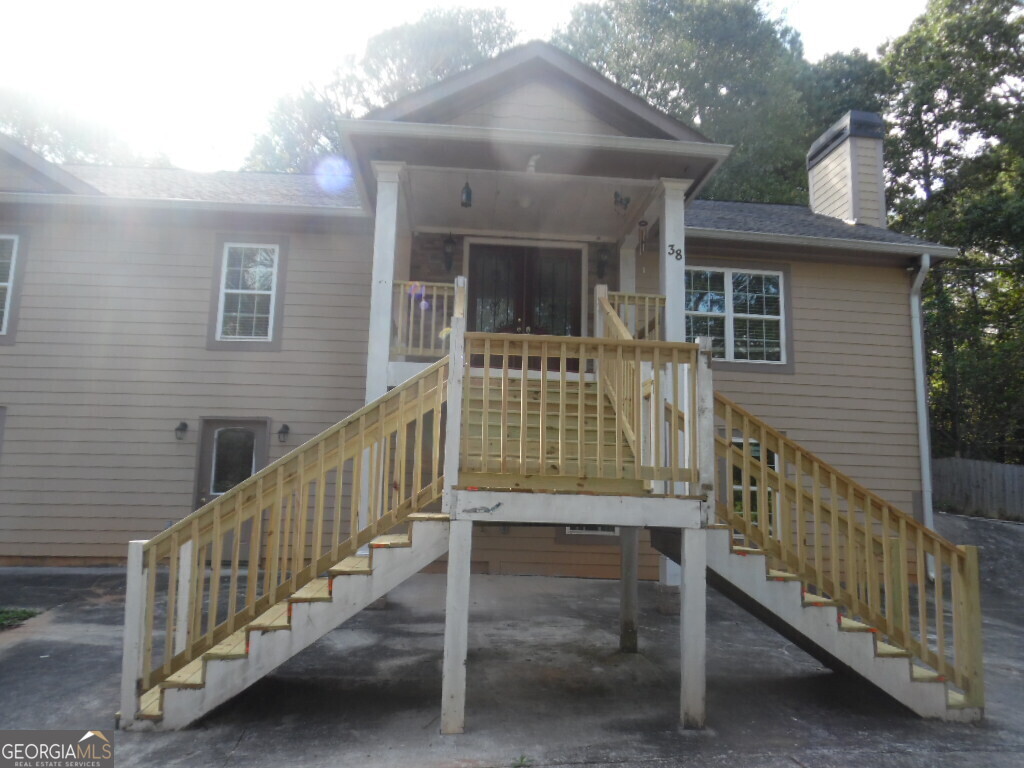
[538,107]
[869,184]
[111,354]
[830,185]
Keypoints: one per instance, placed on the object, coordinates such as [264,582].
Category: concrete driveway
[546,686]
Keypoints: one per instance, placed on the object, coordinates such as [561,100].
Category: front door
[524,289]
[230,450]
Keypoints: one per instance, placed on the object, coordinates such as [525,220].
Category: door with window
[230,451]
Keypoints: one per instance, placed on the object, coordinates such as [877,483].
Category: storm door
[229,452]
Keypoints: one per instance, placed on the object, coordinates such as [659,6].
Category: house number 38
[673,251]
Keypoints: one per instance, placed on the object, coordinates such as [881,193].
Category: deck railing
[231,560]
[850,545]
[643,314]
[422,317]
[574,378]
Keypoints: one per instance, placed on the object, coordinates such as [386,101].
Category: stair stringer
[820,625]
[226,678]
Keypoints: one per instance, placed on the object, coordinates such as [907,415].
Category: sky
[195,80]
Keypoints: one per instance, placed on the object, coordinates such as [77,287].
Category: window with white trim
[8,263]
[741,310]
[248,289]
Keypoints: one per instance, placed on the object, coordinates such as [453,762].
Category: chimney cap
[854,123]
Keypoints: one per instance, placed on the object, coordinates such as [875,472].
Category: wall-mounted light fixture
[448,246]
[621,201]
[467,195]
[180,430]
[282,433]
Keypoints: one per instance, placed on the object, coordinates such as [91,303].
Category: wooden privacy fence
[422,318]
[643,314]
[851,546]
[982,488]
[561,387]
[231,560]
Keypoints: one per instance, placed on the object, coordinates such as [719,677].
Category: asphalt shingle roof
[289,189]
[793,220]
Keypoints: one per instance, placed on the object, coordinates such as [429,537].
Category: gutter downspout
[921,387]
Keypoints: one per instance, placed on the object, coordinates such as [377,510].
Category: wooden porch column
[385,242]
[693,626]
[672,275]
[456,627]
[629,541]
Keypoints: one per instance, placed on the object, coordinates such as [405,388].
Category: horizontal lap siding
[830,185]
[111,354]
[851,398]
[537,107]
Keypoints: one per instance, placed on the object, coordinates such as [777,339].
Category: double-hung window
[8,263]
[741,310]
[248,292]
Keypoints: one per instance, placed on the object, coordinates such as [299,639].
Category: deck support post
[183,609]
[629,540]
[693,626]
[456,627]
[134,632]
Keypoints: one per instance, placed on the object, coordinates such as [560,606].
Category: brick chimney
[844,170]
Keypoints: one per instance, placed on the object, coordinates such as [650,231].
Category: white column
[456,627]
[705,425]
[672,273]
[385,242]
[134,630]
[453,424]
[183,609]
[629,540]
[693,626]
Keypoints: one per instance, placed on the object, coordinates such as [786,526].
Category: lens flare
[333,175]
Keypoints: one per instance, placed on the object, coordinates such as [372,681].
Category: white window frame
[729,316]
[5,321]
[224,291]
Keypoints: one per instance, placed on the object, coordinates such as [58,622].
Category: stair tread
[189,676]
[782,575]
[150,704]
[352,565]
[850,625]
[956,700]
[747,551]
[275,617]
[818,601]
[232,647]
[316,590]
[440,517]
[888,651]
[921,674]
[391,540]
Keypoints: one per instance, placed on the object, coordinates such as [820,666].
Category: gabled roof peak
[537,61]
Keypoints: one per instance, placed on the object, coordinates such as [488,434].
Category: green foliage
[956,166]
[841,82]
[720,65]
[13,617]
[398,61]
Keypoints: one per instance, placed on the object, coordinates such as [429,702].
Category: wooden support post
[704,423]
[967,635]
[456,627]
[183,609]
[693,627]
[134,630]
[629,540]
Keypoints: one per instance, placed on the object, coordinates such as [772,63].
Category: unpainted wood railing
[231,560]
[643,314]
[851,546]
[422,317]
[563,384]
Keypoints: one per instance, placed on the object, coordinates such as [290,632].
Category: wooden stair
[187,694]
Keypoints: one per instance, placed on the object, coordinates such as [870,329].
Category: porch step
[354,565]
[391,541]
[316,590]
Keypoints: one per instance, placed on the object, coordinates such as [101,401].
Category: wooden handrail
[258,543]
[851,546]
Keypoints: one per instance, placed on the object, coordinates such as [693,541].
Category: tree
[60,136]
[399,61]
[720,65]
[841,82]
[956,168]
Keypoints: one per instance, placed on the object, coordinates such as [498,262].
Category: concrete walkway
[546,686]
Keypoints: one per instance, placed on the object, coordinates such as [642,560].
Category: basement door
[524,289]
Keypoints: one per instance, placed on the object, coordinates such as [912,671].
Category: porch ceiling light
[448,245]
[467,196]
[180,430]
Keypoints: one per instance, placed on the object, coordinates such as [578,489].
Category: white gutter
[921,387]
